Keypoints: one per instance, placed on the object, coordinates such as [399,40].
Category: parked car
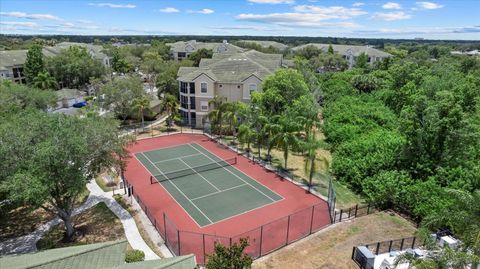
[80,104]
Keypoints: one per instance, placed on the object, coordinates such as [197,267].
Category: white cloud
[110,5]
[169,10]
[272,1]
[428,5]
[24,15]
[425,30]
[391,16]
[14,24]
[202,11]
[249,27]
[392,5]
[85,21]
[358,4]
[308,16]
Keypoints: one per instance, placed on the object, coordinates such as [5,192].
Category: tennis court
[208,188]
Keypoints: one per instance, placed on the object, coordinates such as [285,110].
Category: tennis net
[192,170]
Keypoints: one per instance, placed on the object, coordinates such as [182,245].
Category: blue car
[80,104]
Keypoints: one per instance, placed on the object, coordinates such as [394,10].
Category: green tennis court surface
[207,196]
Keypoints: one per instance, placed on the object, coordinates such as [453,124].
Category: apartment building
[233,76]
[12,61]
[181,49]
[11,65]
[350,52]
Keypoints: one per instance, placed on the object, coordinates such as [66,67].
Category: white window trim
[201,92]
[203,104]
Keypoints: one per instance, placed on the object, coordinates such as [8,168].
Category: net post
[311,219]
[165,228]
[261,239]
[178,238]
[204,254]
[288,229]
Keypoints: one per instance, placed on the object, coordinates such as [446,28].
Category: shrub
[134,255]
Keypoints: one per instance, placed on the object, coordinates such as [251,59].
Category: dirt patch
[126,204]
[95,225]
[21,221]
[332,248]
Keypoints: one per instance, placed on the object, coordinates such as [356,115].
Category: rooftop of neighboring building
[267,43]
[343,49]
[193,45]
[233,68]
[9,58]
[95,50]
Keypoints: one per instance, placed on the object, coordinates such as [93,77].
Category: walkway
[27,243]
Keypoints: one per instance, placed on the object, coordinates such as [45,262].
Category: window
[204,106]
[203,87]
[183,87]
[192,102]
[182,54]
[252,88]
[192,87]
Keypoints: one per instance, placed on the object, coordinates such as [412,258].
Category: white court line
[178,190]
[213,193]
[200,175]
[233,173]
[168,192]
[191,155]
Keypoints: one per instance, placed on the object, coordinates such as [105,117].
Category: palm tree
[170,105]
[231,117]
[286,138]
[246,134]
[141,105]
[216,114]
[45,81]
[310,146]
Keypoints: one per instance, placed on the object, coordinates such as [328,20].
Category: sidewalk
[27,243]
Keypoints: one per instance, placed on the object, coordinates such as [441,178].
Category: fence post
[401,245]
[378,247]
[311,220]
[341,213]
[178,238]
[413,242]
[356,209]
[368,209]
[261,239]
[390,246]
[288,229]
[349,212]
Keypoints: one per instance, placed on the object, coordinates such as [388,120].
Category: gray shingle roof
[343,49]
[233,68]
[266,44]
[9,58]
[192,45]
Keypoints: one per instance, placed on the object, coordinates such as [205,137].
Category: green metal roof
[102,255]
[233,68]
[94,256]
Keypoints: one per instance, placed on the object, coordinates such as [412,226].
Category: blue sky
[438,19]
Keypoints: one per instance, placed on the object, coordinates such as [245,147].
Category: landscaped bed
[332,248]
